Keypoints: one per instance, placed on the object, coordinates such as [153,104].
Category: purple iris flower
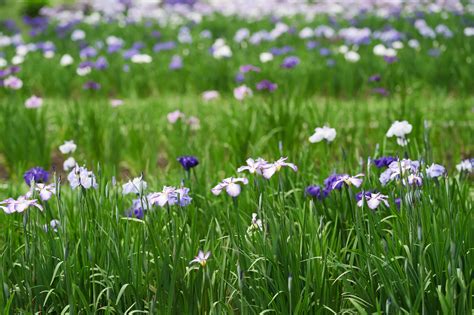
[331,180]
[114,48]
[384,161]
[390,59]
[101,63]
[398,202]
[330,62]
[290,62]
[316,192]
[324,51]
[278,51]
[188,162]
[164,46]
[156,34]
[176,63]
[312,45]
[88,52]
[248,68]
[239,77]
[91,85]
[36,174]
[359,195]
[375,78]
[266,85]
[129,53]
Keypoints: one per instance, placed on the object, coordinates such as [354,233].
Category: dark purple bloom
[91,85]
[366,194]
[331,180]
[316,192]
[375,78]
[398,202]
[188,161]
[384,161]
[156,34]
[36,174]
[266,85]
[290,62]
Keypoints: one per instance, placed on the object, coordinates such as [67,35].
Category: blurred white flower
[324,133]
[400,129]
[68,147]
[266,57]
[210,95]
[78,35]
[352,56]
[66,60]
[220,49]
[69,163]
[465,166]
[141,58]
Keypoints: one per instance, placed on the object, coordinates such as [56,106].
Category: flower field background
[236,157]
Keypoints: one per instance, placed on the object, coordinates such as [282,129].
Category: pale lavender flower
[270,169]
[242,92]
[176,63]
[34,102]
[81,177]
[435,170]
[349,180]
[230,185]
[400,129]
[11,205]
[201,258]
[13,83]
[45,191]
[173,117]
[253,166]
[68,147]
[373,200]
[115,102]
[69,163]
[168,196]
[465,166]
[210,95]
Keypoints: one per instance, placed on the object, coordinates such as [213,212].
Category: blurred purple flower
[266,85]
[91,85]
[290,62]
[176,63]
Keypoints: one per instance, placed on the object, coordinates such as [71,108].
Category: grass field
[374,216]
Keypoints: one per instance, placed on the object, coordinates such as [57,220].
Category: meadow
[209,159]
